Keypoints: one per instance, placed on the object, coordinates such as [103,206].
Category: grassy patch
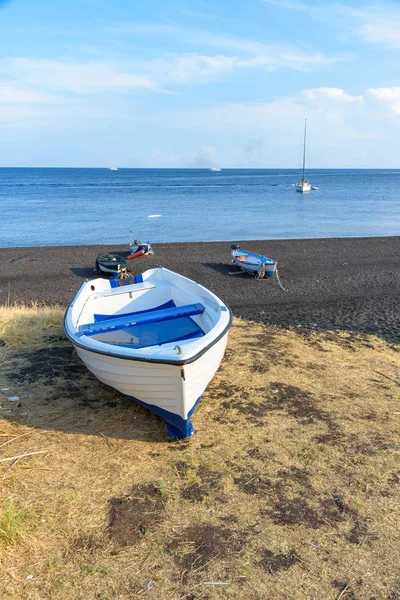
[11,524]
[289,488]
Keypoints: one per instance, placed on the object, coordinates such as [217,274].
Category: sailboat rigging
[304,185]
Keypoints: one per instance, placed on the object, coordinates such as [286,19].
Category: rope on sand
[261,271]
[261,274]
[279,281]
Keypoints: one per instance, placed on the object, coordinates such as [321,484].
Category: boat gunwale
[271,261]
[166,361]
[149,359]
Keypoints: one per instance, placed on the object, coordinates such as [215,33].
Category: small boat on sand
[158,338]
[111,264]
[139,249]
[250,262]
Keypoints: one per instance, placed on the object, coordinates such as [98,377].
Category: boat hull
[250,262]
[111,269]
[157,338]
[170,391]
[303,187]
[269,269]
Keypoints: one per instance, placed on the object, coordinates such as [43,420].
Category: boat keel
[177,427]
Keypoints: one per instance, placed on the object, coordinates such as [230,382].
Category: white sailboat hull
[303,187]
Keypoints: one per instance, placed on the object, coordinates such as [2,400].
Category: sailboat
[304,185]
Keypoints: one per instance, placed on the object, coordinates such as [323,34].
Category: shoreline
[348,283]
[246,241]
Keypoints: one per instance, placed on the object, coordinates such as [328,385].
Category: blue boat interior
[253,259]
[151,327]
[169,304]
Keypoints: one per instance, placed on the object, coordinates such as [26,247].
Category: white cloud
[331,94]
[390,97]
[380,25]
[98,76]
[376,23]
[254,54]
[17,94]
[187,68]
[155,75]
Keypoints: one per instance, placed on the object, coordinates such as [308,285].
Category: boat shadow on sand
[227,269]
[52,390]
[84,272]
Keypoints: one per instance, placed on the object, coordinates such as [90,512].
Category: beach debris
[22,455]
[311,544]
[19,258]
[30,577]
[13,398]
[153,216]
[216,583]
[338,501]
[16,438]
[148,585]
[4,389]
[387,377]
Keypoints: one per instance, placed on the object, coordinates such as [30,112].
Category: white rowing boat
[158,337]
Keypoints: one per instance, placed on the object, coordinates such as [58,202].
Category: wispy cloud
[79,78]
[379,24]
[389,97]
[237,52]
[332,94]
[376,23]
[163,74]
[17,94]
[267,56]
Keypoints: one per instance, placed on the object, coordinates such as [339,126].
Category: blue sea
[55,207]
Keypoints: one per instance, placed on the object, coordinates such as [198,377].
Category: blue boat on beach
[250,262]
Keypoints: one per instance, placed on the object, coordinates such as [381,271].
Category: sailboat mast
[304,147]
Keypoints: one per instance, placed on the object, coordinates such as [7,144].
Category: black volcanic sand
[347,283]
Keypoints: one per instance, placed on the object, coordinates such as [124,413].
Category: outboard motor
[235,246]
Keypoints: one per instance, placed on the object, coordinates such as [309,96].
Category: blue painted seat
[127,321]
[101,317]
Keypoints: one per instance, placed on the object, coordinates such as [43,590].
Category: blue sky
[199,83]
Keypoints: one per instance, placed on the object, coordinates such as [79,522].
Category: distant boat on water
[215,169]
[304,185]
[112,168]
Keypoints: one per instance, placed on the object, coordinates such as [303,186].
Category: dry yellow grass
[288,490]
